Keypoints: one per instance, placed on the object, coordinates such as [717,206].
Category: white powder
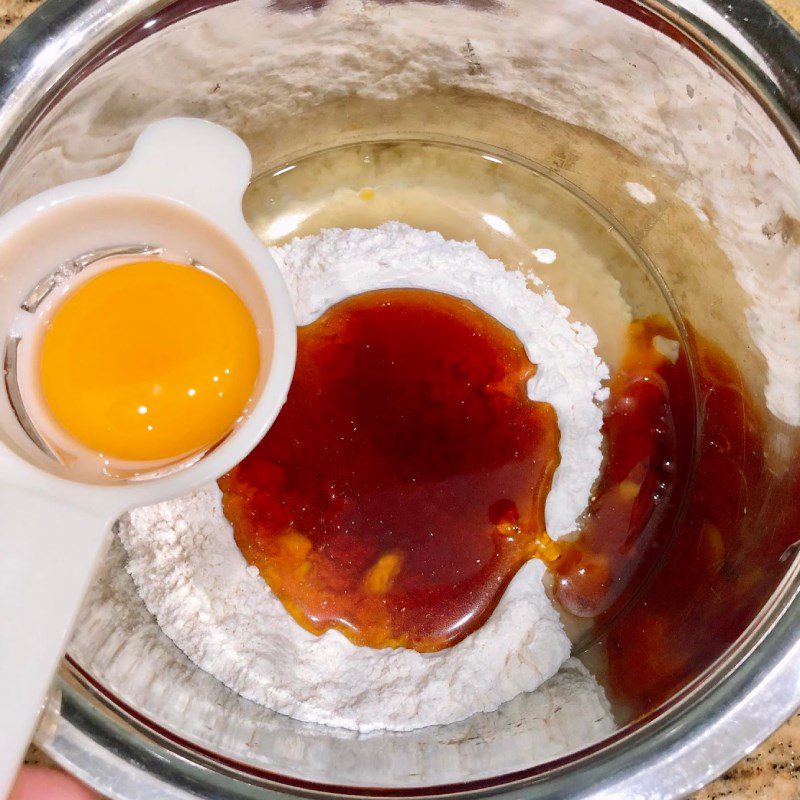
[220,612]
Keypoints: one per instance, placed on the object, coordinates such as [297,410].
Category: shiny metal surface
[709,723]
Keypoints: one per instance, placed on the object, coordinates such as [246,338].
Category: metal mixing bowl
[701,106]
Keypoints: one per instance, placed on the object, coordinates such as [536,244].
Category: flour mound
[195,581]
[219,611]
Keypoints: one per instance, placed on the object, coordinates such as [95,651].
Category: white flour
[220,612]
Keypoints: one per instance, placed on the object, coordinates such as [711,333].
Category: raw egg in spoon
[149,361]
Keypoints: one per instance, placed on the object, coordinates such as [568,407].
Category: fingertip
[43,783]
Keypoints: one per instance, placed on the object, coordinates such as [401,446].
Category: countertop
[772,771]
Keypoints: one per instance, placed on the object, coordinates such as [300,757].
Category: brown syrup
[403,483]
[408,417]
[720,566]
[648,432]
[684,485]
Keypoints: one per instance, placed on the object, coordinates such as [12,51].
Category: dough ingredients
[220,612]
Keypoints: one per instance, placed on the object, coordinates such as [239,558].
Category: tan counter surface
[772,772]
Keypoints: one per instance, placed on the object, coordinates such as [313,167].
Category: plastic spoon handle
[48,553]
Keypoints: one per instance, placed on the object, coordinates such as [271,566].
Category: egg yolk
[149,361]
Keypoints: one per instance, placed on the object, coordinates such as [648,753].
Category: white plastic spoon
[184,183]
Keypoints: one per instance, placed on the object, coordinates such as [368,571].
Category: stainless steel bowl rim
[706,729]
